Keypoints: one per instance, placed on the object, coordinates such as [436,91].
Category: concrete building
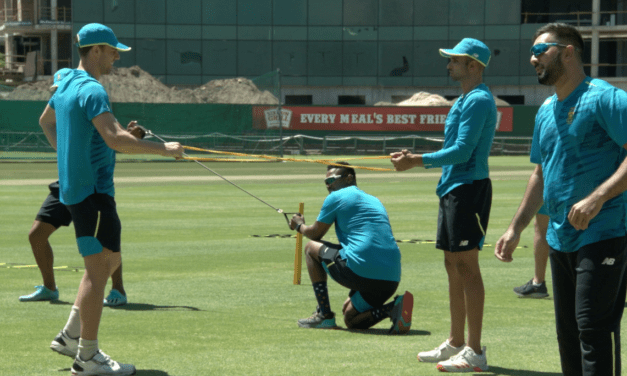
[43,26]
[340,51]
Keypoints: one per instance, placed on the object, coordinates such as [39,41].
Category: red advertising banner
[371,119]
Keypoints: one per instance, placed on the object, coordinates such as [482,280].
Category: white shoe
[445,351]
[465,361]
[101,365]
[65,345]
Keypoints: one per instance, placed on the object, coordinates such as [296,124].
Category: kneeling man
[367,260]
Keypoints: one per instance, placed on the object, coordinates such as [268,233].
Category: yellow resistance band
[320,161]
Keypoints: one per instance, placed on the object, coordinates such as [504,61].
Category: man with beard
[465,193]
[79,124]
[579,144]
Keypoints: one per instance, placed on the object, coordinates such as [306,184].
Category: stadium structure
[329,52]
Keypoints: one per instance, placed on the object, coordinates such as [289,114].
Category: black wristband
[298,227]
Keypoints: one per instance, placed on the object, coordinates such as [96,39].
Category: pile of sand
[136,85]
[421,99]
[424,99]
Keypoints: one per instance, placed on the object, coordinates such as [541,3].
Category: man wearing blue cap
[465,192]
[79,124]
[52,215]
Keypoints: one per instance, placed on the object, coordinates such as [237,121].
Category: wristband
[298,227]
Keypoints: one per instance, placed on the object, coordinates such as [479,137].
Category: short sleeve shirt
[363,229]
[84,160]
[579,143]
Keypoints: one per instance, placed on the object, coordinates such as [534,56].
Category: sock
[73,326]
[383,312]
[322,296]
[537,284]
[87,348]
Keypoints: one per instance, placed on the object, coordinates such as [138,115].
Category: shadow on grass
[385,332]
[152,307]
[140,372]
[151,372]
[61,302]
[515,372]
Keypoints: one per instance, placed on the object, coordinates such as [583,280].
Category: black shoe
[530,290]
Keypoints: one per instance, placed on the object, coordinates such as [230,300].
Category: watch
[298,227]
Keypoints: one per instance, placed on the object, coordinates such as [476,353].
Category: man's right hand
[173,149]
[403,160]
[506,246]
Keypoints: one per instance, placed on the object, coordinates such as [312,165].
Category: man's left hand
[582,212]
[296,220]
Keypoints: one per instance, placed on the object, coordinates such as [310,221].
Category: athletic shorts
[463,217]
[52,211]
[365,293]
[96,224]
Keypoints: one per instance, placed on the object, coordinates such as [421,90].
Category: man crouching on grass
[367,260]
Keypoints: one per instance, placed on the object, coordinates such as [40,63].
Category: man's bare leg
[98,269]
[42,250]
[466,265]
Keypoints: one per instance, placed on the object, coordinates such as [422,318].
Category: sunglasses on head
[541,48]
[331,179]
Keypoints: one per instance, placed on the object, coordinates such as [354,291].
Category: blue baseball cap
[473,48]
[97,34]
[59,76]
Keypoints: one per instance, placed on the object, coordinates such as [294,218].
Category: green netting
[270,140]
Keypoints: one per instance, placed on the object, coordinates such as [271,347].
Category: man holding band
[367,260]
[79,124]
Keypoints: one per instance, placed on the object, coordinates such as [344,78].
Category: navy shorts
[365,293]
[52,211]
[97,224]
[463,217]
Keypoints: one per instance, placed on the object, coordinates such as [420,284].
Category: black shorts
[97,224]
[463,217]
[365,293]
[52,211]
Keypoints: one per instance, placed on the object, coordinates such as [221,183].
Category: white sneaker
[65,345]
[101,365]
[465,361]
[445,351]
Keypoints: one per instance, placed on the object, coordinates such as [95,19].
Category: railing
[296,144]
[13,15]
[575,18]
[64,14]
[14,63]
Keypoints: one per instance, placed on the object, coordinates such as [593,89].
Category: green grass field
[208,298]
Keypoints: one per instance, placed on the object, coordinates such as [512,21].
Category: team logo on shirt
[571,116]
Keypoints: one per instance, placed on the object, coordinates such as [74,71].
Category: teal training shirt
[468,134]
[84,160]
[363,229]
[579,143]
